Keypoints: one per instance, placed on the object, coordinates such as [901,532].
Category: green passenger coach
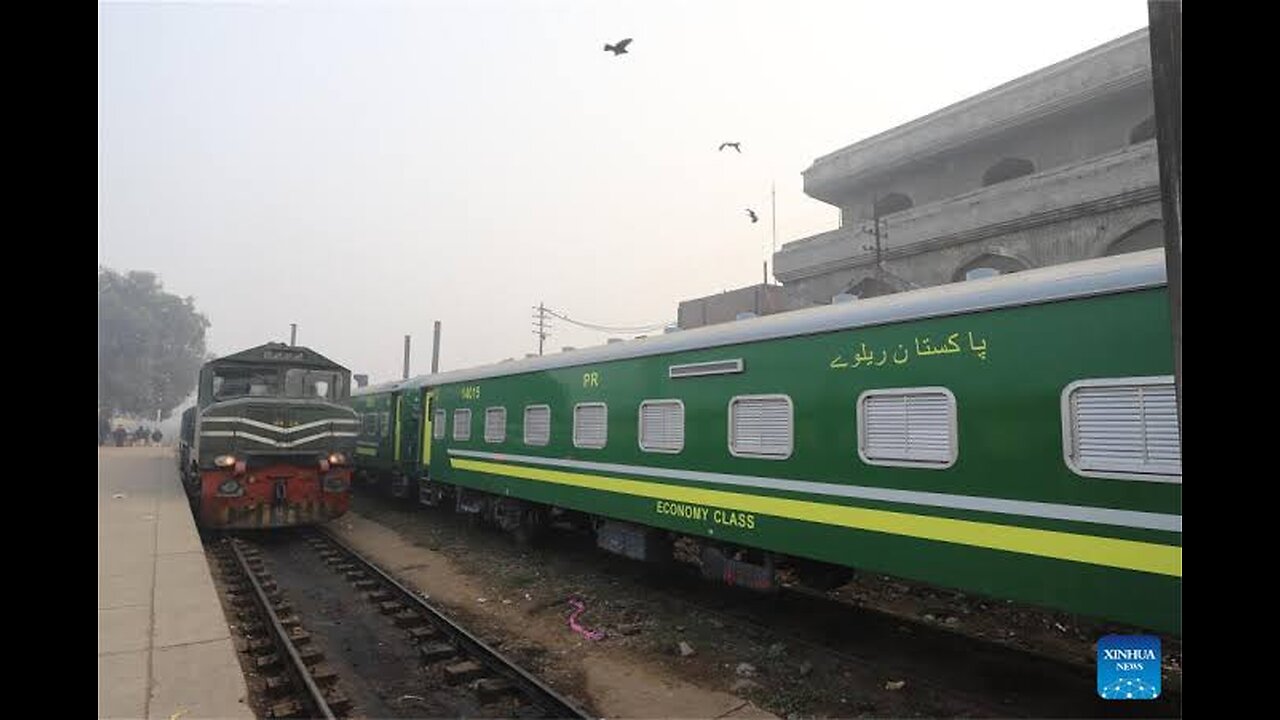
[1014,436]
[389,448]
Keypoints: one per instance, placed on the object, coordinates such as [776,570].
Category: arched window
[892,203]
[1149,234]
[1143,131]
[1007,169]
[988,265]
[980,272]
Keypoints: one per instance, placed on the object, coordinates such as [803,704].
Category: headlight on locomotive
[337,458]
[225,461]
[230,488]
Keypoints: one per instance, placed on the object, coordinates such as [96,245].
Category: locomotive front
[271,440]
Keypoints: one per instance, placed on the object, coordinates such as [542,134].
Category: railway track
[373,647]
[294,680]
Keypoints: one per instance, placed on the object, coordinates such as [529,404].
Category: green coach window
[590,425]
[462,424]
[662,426]
[760,426]
[908,427]
[495,424]
[537,425]
[1122,428]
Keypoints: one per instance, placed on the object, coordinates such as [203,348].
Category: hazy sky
[364,168]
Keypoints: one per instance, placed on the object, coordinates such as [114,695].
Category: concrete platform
[164,649]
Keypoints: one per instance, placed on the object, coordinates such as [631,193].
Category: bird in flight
[752,214]
[734,145]
[618,48]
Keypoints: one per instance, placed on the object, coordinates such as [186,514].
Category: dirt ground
[606,676]
[660,657]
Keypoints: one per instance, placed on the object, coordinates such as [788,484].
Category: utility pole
[406,358]
[293,334]
[875,218]
[1165,20]
[435,351]
[773,213]
[541,328]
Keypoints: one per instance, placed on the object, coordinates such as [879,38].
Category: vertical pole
[875,212]
[435,350]
[540,324]
[406,358]
[773,210]
[293,334]
[1165,18]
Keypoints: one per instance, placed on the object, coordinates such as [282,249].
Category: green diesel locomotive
[269,443]
[1014,436]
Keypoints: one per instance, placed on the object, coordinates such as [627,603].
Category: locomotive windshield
[299,383]
[236,382]
[275,382]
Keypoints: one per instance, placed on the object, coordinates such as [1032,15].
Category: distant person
[121,435]
[156,436]
[104,430]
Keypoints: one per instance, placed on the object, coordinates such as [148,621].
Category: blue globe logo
[1129,689]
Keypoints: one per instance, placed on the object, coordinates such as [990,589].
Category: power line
[606,328]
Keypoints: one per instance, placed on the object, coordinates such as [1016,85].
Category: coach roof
[1121,273]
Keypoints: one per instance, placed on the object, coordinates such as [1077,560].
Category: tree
[150,345]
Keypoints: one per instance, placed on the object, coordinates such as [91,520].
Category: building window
[437,427]
[662,426]
[911,427]
[537,425]
[890,204]
[462,424]
[590,425]
[988,265]
[1123,428]
[1007,169]
[760,426]
[1146,236]
[495,424]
